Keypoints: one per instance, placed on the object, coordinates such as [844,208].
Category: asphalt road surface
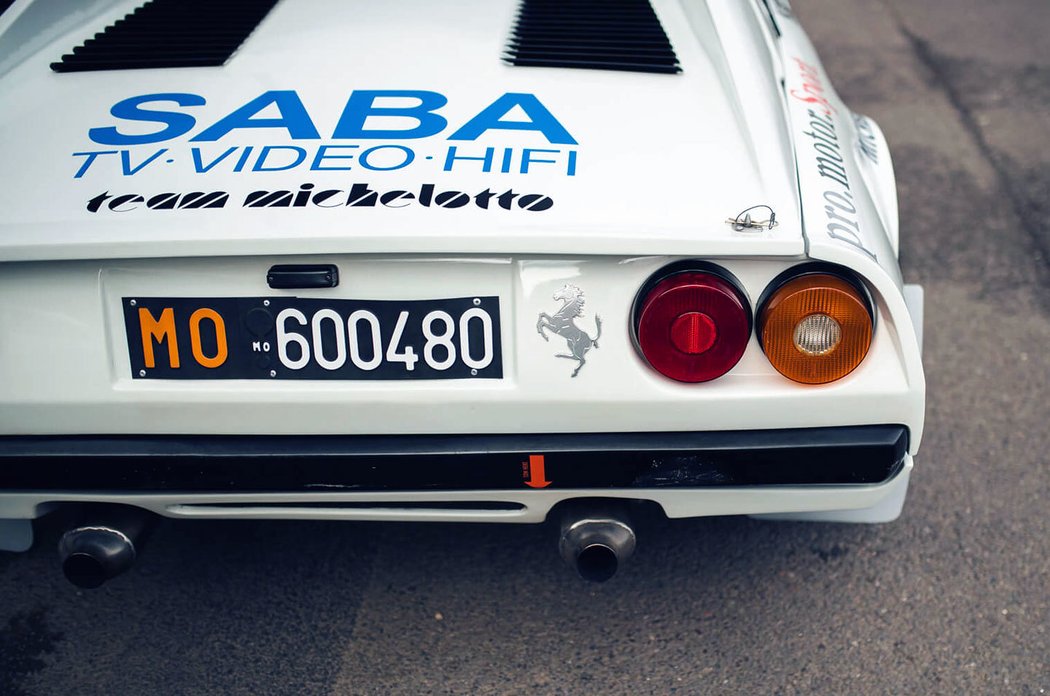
[952,598]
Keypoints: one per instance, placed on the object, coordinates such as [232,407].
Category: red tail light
[692,325]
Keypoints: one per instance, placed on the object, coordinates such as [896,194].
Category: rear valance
[808,456]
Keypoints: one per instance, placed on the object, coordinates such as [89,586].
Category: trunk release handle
[297,276]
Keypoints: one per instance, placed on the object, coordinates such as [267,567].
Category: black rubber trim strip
[809,456]
[784,7]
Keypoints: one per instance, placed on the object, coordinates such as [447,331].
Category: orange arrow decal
[537,478]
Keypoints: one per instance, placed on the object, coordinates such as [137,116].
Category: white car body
[653,167]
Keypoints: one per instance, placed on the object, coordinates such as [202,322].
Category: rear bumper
[508,478]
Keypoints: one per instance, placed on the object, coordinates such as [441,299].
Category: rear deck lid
[379,128]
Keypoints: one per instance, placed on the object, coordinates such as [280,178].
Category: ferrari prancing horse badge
[563,323]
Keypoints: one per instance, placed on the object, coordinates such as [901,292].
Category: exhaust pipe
[105,545]
[596,539]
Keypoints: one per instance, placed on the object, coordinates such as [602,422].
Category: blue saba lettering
[148,132]
[420,119]
[308,195]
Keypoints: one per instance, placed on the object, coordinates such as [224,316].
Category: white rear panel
[64,360]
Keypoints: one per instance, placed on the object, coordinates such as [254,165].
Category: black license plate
[306,338]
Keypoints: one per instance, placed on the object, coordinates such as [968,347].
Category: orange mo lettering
[158,330]
[220,338]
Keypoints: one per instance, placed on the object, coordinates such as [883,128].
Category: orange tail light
[815,328]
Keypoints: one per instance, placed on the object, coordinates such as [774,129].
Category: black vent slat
[583,18]
[122,64]
[118,45]
[146,55]
[561,62]
[202,46]
[563,42]
[591,35]
[107,60]
[553,46]
[231,22]
[570,35]
[573,31]
[597,47]
[587,15]
[585,27]
[602,57]
[655,59]
[148,45]
[616,49]
[169,34]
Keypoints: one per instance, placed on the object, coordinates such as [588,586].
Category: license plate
[306,338]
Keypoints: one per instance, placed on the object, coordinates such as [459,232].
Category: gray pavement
[952,598]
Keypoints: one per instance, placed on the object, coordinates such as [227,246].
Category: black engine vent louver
[591,34]
[169,34]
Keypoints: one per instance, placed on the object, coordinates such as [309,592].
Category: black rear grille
[169,34]
[591,34]
[359,463]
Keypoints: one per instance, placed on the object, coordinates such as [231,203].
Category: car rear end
[418,380]
[520,286]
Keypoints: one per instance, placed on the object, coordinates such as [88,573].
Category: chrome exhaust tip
[97,551]
[596,541]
